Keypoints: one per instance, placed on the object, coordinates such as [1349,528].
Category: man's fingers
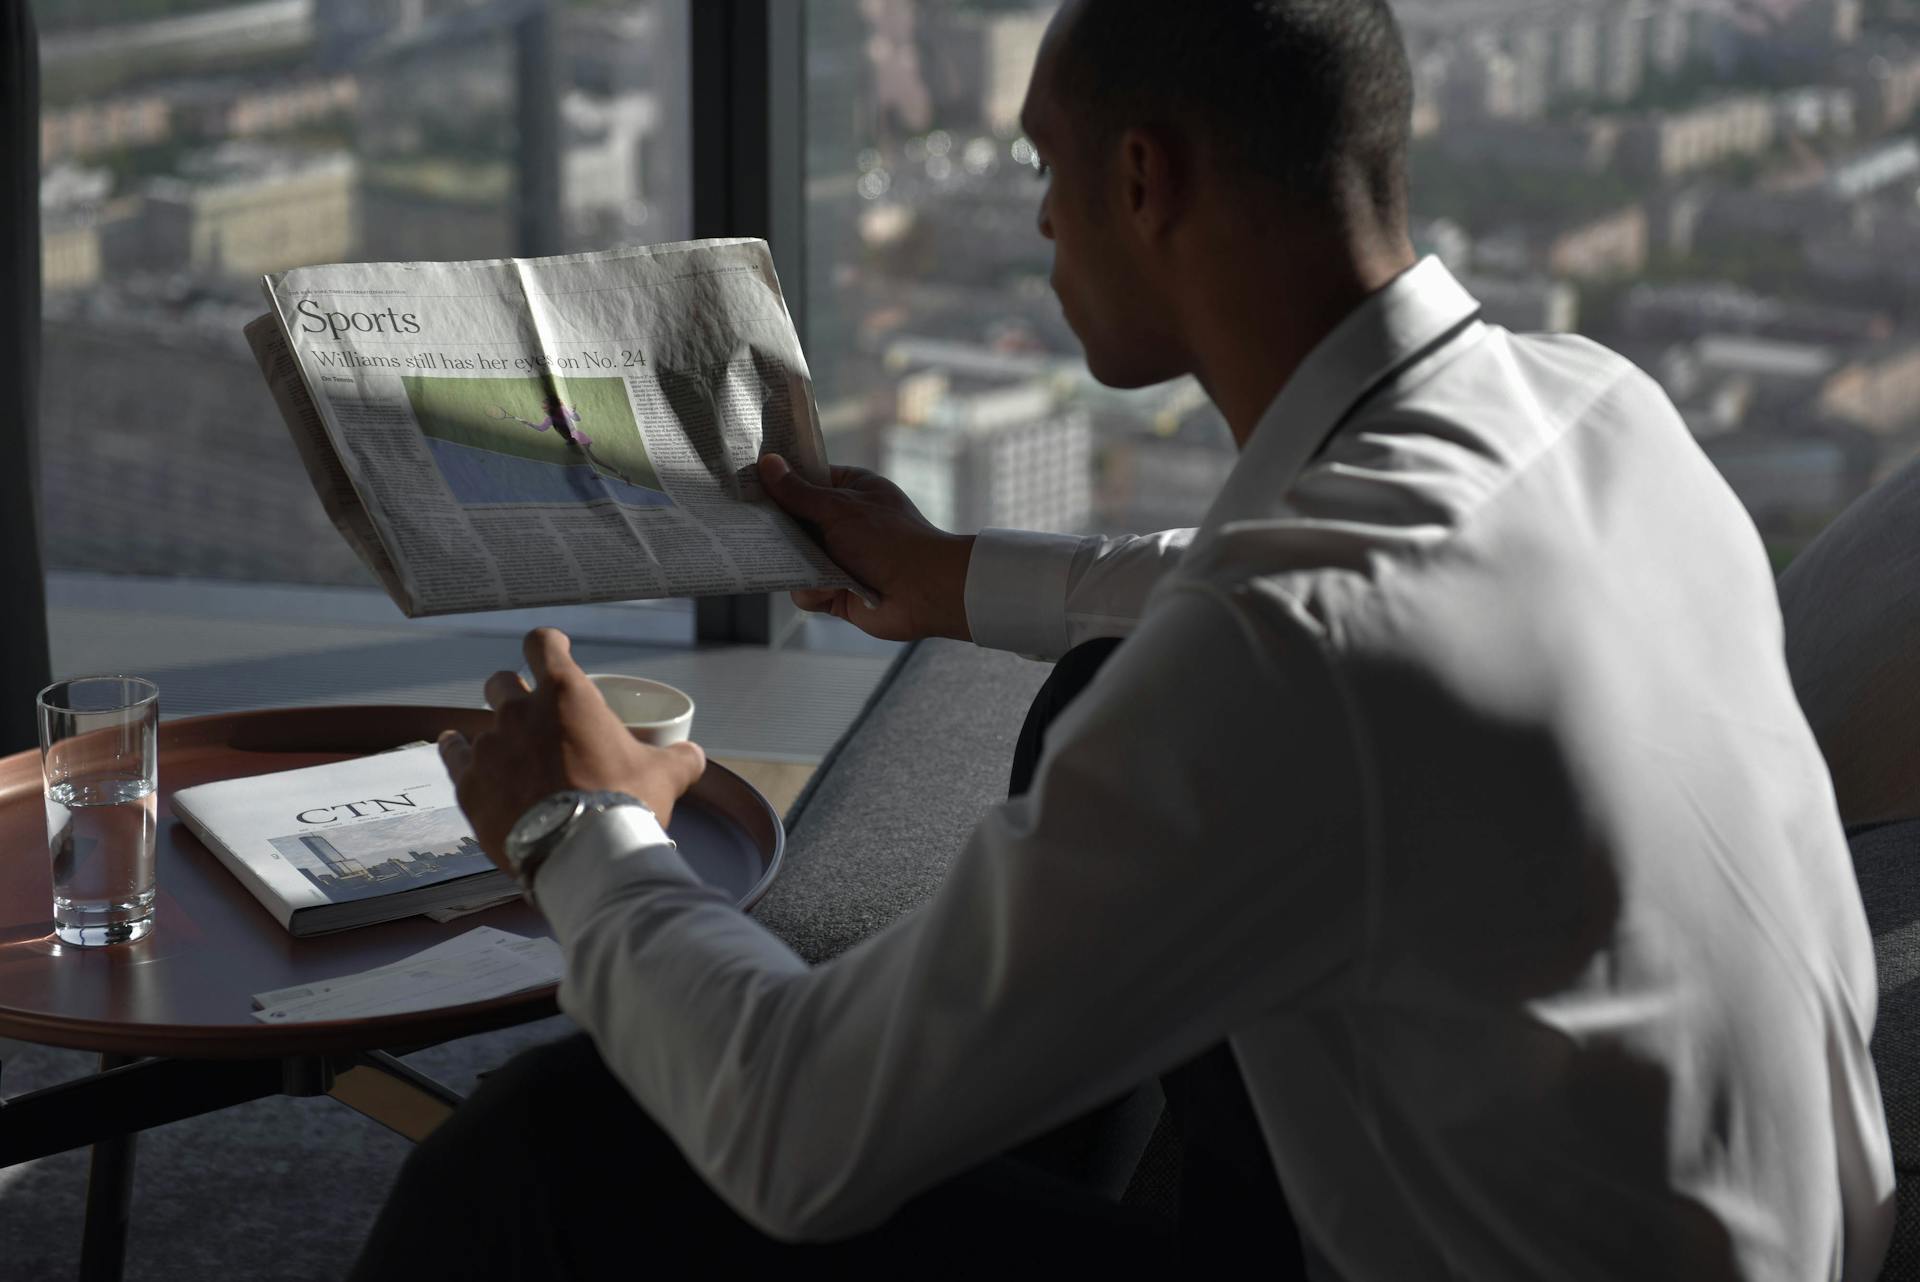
[861,612]
[689,761]
[456,754]
[815,600]
[792,491]
[503,688]
[549,655]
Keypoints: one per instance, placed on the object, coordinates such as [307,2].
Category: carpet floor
[277,1189]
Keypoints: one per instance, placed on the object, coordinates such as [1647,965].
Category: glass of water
[99,760]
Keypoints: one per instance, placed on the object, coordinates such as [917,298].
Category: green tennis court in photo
[504,416]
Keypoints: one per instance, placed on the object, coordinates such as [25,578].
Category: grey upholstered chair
[886,813]
[1886,858]
[1851,605]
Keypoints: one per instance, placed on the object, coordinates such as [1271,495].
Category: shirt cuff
[1017,591]
[604,852]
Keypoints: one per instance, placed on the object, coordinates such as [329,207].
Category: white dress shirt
[1452,772]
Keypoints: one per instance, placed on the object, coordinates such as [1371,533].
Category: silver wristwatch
[547,822]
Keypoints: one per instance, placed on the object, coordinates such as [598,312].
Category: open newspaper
[521,432]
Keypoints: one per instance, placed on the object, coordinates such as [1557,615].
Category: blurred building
[898,98]
[611,141]
[1613,244]
[243,209]
[1872,254]
[1446,240]
[1535,305]
[1577,51]
[977,63]
[1670,39]
[1812,29]
[73,202]
[1816,110]
[992,454]
[1624,50]
[1587,144]
[1790,481]
[90,128]
[1885,79]
[1516,59]
[258,32]
[1875,169]
[1772,371]
[1752,222]
[622,63]
[1150,482]
[1687,310]
[69,252]
[1481,80]
[1669,144]
[1878,390]
[248,108]
[152,392]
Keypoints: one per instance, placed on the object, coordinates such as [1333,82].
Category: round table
[180,1000]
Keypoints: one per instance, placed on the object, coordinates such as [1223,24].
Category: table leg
[103,1246]
[397,1096]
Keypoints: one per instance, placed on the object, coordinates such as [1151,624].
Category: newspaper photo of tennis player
[535,440]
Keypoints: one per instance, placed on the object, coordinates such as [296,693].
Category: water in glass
[101,832]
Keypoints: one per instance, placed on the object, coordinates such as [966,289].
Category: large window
[1724,193]
[188,146]
[1727,194]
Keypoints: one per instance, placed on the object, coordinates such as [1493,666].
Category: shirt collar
[1393,328]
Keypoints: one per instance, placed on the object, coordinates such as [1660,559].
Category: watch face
[541,822]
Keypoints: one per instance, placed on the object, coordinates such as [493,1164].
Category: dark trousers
[551,1170]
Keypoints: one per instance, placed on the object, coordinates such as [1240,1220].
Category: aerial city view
[1726,191]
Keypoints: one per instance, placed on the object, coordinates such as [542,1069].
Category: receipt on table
[481,937]
[484,963]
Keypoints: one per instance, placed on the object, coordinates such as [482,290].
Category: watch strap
[589,803]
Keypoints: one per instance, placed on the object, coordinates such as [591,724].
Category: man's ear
[1156,181]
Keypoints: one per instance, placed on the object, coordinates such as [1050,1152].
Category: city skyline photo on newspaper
[361,860]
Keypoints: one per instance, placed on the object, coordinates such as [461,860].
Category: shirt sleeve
[1043,594]
[1186,860]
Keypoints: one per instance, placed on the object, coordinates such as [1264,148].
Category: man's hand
[559,736]
[875,533]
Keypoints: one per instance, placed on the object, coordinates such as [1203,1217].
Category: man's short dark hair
[1313,98]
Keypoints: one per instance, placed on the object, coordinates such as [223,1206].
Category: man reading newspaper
[1447,783]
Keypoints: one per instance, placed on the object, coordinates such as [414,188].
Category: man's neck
[1255,316]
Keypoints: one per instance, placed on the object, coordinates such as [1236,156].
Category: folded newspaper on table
[548,431]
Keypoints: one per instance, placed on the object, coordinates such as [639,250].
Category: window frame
[25,661]
[748,110]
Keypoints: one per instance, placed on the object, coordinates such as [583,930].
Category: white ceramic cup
[653,711]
